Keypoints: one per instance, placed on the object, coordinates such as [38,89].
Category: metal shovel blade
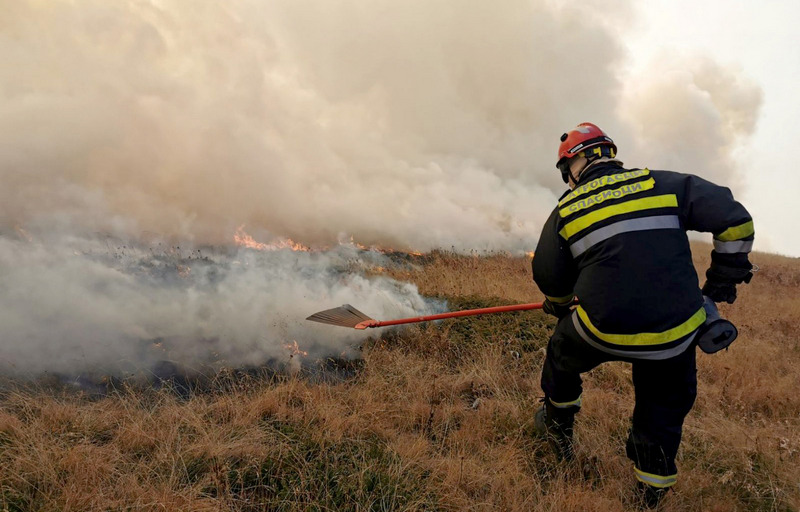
[345,316]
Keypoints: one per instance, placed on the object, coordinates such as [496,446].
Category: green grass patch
[530,328]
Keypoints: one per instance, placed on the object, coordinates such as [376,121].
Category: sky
[761,39]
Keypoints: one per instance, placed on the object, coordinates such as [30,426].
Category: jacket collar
[598,170]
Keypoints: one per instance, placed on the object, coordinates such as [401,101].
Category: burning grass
[433,417]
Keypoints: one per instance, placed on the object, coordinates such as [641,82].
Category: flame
[294,349]
[382,250]
[358,245]
[529,254]
[241,238]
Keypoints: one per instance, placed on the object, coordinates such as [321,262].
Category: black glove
[732,275]
[557,310]
[721,281]
[720,292]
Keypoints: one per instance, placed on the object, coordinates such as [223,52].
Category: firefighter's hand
[720,292]
[719,273]
[556,310]
[721,281]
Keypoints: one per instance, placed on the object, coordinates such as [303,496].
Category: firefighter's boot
[650,496]
[555,425]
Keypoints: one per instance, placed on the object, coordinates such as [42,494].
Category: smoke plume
[691,115]
[411,125]
[89,306]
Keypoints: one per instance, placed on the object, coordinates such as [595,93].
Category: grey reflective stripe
[624,226]
[646,354]
[732,247]
[656,480]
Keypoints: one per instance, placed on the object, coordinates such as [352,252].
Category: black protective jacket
[618,241]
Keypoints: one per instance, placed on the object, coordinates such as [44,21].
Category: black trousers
[665,392]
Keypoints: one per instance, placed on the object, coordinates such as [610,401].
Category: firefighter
[617,240]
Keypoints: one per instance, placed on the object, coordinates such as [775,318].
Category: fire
[358,245]
[529,254]
[382,250]
[242,239]
[294,349]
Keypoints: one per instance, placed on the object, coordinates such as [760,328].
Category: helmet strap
[572,177]
[566,172]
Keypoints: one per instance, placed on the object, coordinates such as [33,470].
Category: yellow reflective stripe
[564,405]
[659,481]
[605,195]
[635,205]
[737,232]
[561,300]
[602,182]
[647,338]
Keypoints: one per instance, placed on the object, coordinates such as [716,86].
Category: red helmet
[583,136]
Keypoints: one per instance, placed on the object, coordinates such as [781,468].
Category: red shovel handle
[452,314]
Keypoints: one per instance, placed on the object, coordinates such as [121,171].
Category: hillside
[433,417]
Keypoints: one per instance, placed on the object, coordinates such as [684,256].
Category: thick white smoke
[691,115]
[412,125]
[80,305]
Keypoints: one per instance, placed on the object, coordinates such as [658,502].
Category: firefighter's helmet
[578,140]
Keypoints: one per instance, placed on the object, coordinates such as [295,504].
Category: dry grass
[438,418]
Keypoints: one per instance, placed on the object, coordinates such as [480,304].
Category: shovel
[348,316]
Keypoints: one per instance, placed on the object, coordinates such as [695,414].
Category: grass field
[434,417]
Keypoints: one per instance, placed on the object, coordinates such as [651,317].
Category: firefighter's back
[625,233]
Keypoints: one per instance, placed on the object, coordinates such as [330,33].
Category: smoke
[80,305]
[408,124]
[691,115]
[412,125]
